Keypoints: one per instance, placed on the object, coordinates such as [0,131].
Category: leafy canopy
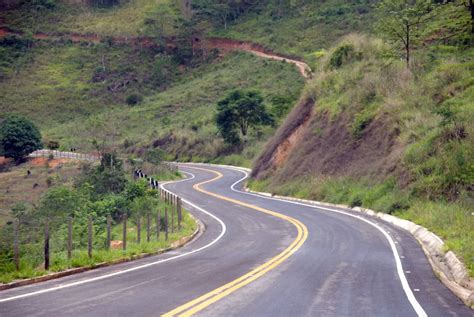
[240,111]
[400,21]
[18,137]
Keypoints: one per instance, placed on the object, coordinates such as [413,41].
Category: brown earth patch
[328,148]
[286,147]
[43,161]
[300,115]
[116,244]
[4,160]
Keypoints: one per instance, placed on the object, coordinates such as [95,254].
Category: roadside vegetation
[95,191]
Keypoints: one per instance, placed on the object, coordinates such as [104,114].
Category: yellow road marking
[207,299]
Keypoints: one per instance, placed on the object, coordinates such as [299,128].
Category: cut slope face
[314,144]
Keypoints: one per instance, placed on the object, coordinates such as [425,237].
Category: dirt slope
[315,144]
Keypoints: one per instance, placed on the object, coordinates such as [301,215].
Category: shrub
[341,55]
[134,99]
[52,145]
[361,121]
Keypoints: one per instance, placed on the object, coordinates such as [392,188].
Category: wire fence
[67,155]
[67,241]
[53,241]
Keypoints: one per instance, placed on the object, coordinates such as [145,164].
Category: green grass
[302,29]
[65,82]
[77,18]
[183,114]
[30,263]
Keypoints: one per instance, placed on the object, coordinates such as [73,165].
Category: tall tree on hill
[401,20]
[240,111]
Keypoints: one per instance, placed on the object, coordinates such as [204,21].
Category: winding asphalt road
[258,256]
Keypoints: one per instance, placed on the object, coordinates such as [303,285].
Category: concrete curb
[174,245]
[447,267]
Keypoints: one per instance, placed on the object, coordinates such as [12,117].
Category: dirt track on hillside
[222,44]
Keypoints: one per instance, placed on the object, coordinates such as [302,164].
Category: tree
[19,137]
[401,20]
[238,112]
[470,5]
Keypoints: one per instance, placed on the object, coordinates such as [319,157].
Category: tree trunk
[407,47]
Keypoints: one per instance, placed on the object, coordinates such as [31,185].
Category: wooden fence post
[109,229]
[124,232]
[46,244]
[172,218]
[166,224]
[180,213]
[16,247]
[139,228]
[89,237]
[148,220]
[69,238]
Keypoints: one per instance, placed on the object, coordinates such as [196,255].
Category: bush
[52,145]
[19,137]
[342,55]
[134,99]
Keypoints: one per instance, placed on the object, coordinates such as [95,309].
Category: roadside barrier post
[166,224]
[148,220]
[89,237]
[46,245]
[16,247]
[69,238]
[172,218]
[109,228]
[180,213]
[139,227]
[158,220]
[124,232]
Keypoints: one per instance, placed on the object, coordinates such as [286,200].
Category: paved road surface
[304,261]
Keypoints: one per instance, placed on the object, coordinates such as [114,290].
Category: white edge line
[406,287]
[98,278]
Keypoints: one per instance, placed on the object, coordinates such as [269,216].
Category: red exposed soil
[43,161]
[4,160]
[290,133]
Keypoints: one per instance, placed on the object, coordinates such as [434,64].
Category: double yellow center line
[207,299]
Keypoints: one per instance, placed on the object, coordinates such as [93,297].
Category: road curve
[345,265]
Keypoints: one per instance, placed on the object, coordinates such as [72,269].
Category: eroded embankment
[314,143]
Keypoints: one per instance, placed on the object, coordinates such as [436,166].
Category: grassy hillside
[65,16]
[383,136]
[301,28]
[181,119]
